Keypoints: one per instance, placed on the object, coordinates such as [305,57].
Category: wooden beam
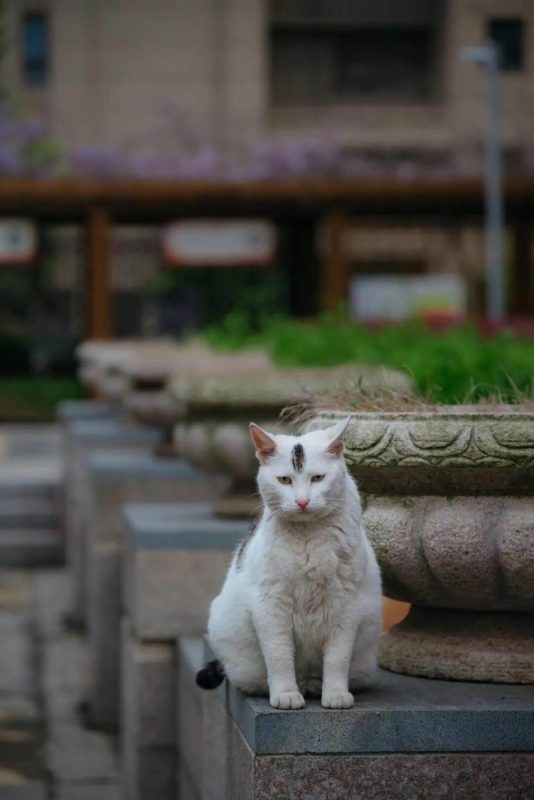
[335,267]
[98,277]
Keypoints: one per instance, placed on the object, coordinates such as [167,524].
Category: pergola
[296,206]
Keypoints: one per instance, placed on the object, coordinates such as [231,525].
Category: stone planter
[147,399]
[215,437]
[449,508]
[102,365]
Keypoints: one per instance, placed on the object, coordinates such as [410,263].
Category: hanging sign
[18,241]
[219,243]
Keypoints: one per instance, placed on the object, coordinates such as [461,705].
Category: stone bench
[84,437]
[407,738]
[175,559]
[116,478]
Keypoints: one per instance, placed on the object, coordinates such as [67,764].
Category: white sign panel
[208,243]
[389,297]
[18,241]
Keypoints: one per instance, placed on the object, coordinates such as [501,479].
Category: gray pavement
[45,751]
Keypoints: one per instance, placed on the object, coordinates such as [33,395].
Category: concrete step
[30,548]
[28,512]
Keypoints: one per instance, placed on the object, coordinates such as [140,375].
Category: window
[35,48]
[507,33]
[338,51]
[320,67]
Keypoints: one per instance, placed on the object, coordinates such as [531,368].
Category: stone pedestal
[175,561]
[148,720]
[448,497]
[69,411]
[190,729]
[84,437]
[116,478]
[406,738]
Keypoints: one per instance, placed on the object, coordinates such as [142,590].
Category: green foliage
[455,365]
[218,294]
[33,399]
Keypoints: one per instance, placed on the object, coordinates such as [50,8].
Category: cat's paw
[337,700]
[287,700]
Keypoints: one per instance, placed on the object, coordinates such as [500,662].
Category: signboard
[18,241]
[388,297]
[219,243]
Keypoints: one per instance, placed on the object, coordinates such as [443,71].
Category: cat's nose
[303,503]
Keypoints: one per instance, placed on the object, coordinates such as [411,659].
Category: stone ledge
[117,464]
[70,410]
[186,526]
[113,432]
[401,715]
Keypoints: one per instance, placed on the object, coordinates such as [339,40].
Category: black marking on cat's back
[297,458]
[240,552]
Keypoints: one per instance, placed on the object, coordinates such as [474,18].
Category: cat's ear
[263,442]
[335,438]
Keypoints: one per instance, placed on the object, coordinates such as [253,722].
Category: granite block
[402,714]
[187,790]
[103,622]
[84,437]
[155,776]
[396,776]
[116,478]
[148,719]
[176,558]
[71,410]
[409,738]
[190,719]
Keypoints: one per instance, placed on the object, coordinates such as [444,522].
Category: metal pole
[494,192]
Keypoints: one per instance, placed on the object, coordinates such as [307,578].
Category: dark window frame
[35,66]
[509,61]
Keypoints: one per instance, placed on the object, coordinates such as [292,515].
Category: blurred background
[229,166]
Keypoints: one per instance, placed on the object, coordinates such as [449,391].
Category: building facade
[369,74]
[383,79]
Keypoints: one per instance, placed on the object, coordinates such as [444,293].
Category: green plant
[451,366]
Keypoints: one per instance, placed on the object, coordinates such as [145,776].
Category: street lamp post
[488,58]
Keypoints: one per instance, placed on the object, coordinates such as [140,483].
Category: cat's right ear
[263,442]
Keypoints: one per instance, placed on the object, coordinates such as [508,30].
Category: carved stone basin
[449,508]
[103,364]
[215,437]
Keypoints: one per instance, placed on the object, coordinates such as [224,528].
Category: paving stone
[76,754]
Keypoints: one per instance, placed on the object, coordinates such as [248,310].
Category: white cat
[300,610]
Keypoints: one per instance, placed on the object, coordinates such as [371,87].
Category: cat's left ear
[335,438]
[264,443]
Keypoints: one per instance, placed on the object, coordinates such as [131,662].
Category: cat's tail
[211,676]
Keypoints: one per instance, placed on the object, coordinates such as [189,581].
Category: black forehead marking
[297,458]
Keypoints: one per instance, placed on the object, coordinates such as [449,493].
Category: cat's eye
[317,478]
[285,479]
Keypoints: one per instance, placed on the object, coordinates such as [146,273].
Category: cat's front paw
[287,700]
[337,700]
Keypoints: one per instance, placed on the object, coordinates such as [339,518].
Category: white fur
[300,610]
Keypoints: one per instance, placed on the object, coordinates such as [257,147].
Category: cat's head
[301,477]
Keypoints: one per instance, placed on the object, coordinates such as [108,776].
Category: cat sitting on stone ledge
[300,611]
